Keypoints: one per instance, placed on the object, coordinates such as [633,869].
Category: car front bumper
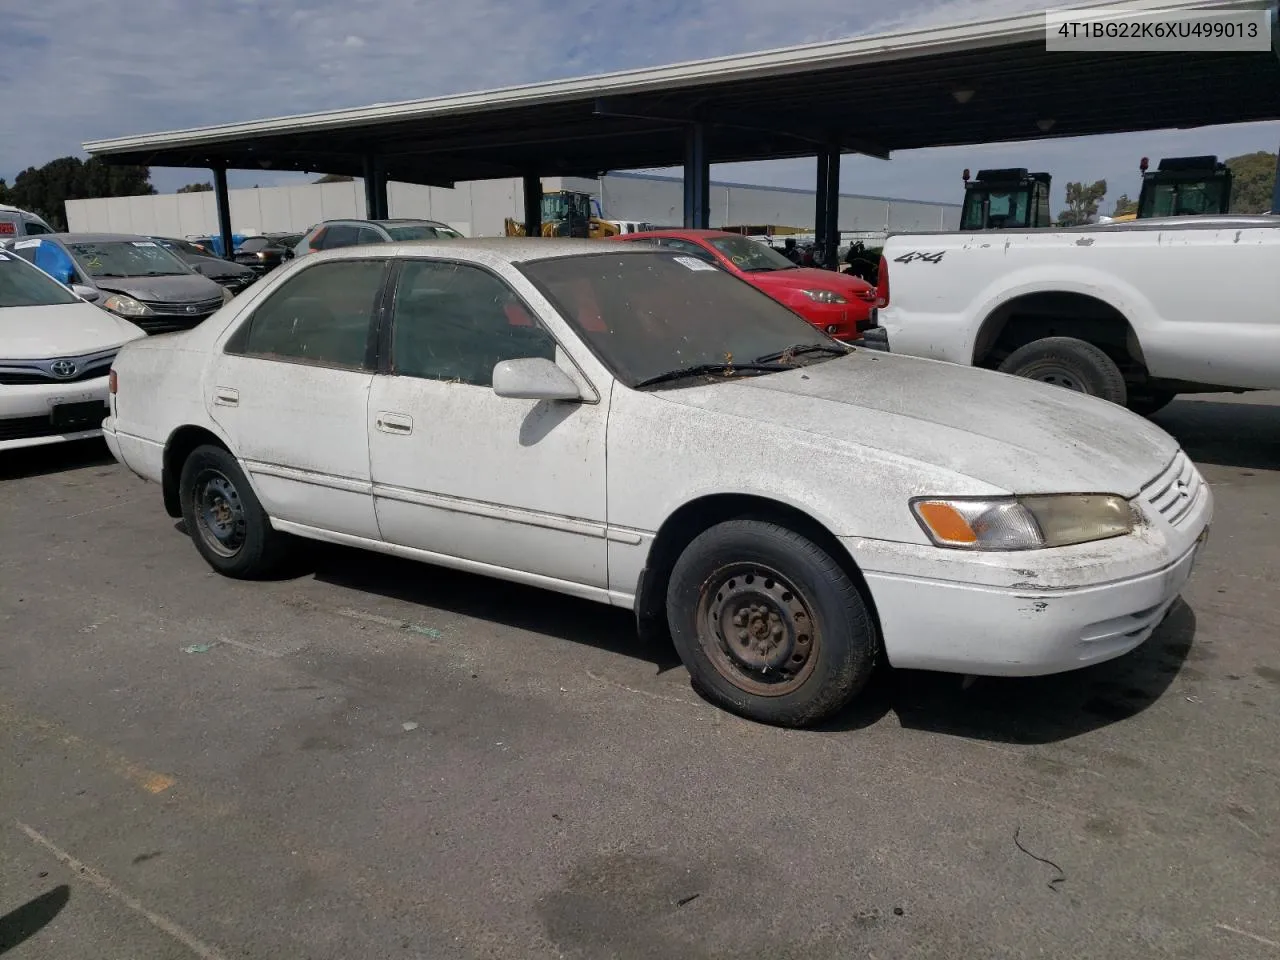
[1027,613]
[28,417]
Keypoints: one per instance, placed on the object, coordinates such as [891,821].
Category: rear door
[291,392]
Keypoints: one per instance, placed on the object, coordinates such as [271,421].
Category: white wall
[480,208]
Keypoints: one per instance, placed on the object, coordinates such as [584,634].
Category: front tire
[224,518]
[768,624]
[1071,363]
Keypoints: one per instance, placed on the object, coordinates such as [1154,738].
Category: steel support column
[820,197]
[829,231]
[532,206]
[1275,190]
[222,201]
[375,190]
[697,178]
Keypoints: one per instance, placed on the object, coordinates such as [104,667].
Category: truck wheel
[1150,401]
[769,626]
[224,518]
[1071,363]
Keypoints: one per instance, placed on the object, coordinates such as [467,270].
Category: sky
[72,71]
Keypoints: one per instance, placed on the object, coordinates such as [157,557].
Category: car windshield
[421,231]
[749,255]
[22,285]
[652,313]
[127,258]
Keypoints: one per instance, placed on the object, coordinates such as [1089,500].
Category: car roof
[509,249]
[689,233]
[94,237]
[394,222]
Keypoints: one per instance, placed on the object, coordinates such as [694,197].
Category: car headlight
[126,306]
[227,295]
[1023,523]
[824,296]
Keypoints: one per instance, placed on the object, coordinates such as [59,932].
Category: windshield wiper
[710,369]
[796,349]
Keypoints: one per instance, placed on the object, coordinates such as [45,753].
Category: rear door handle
[393,422]
[226,397]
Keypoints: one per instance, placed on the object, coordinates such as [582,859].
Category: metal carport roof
[872,94]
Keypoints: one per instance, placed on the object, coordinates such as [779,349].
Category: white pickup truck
[1135,312]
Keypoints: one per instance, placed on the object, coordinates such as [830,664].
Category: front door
[515,485]
[291,392]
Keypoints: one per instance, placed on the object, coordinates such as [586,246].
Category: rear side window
[324,315]
[455,322]
[339,235]
[33,228]
[367,235]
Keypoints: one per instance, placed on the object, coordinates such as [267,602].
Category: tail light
[111,382]
[882,283]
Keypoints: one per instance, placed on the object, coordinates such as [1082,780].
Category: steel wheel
[757,629]
[220,518]
[1059,377]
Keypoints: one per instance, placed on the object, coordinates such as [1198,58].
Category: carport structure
[982,82]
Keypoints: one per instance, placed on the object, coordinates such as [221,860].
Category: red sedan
[841,305]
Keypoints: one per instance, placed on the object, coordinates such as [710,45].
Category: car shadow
[20,925]
[54,458]
[486,598]
[1229,434]
[1030,710]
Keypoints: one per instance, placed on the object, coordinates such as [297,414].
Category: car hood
[60,330]
[215,267]
[183,288]
[1013,434]
[810,278]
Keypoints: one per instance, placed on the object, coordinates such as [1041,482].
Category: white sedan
[637,428]
[55,354]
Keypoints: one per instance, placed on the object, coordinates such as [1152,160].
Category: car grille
[167,316]
[26,372]
[1176,491]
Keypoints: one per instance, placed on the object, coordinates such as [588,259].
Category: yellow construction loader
[568,213]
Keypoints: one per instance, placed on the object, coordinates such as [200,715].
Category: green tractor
[1005,200]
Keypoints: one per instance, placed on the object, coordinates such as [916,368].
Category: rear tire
[1150,401]
[224,518]
[1071,363]
[768,624]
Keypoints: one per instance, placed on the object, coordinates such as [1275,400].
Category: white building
[480,208]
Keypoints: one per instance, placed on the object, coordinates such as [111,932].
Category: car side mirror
[533,378]
[91,294]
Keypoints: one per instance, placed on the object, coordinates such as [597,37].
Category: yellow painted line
[13,719]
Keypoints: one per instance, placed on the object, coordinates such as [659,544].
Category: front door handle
[226,397]
[398,423]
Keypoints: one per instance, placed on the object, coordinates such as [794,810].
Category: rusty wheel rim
[219,511]
[757,629]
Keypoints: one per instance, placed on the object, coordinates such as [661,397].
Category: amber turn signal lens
[946,522]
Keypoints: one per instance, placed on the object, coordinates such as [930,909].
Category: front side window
[646,313]
[686,247]
[127,258]
[456,322]
[368,235]
[25,286]
[323,315]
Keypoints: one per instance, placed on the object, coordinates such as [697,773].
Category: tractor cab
[1005,199]
[1183,187]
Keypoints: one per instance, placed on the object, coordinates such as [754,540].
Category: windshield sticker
[693,263]
[144,243]
[26,244]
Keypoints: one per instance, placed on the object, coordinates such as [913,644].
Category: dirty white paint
[570,496]
[1200,292]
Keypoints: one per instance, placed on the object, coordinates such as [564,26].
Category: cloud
[188,64]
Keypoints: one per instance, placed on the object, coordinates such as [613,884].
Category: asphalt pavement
[374,758]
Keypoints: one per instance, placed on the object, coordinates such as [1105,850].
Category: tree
[334,178]
[1254,178]
[46,190]
[1124,205]
[1082,203]
[196,188]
